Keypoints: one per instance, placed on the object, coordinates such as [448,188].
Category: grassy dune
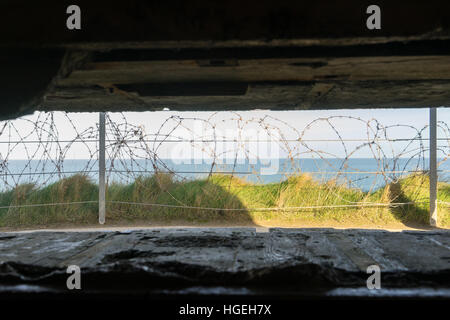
[220,192]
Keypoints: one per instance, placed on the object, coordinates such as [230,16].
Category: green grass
[220,191]
[72,189]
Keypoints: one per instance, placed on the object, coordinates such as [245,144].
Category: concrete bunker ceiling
[296,55]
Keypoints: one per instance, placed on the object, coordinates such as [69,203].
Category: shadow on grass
[160,198]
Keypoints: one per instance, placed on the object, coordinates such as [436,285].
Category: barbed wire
[229,144]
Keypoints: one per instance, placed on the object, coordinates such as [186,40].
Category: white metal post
[433,168]
[102,170]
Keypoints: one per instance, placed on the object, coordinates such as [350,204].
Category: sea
[363,173]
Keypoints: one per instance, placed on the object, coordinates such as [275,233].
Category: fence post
[433,168]
[102,170]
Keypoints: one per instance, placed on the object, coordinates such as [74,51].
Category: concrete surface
[214,260]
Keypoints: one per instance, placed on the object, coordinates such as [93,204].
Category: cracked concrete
[281,259]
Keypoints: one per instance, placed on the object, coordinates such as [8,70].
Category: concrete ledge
[237,259]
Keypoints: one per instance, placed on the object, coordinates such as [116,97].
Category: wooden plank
[260,70]
[276,96]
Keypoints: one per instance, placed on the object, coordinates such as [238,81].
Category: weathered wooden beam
[108,48]
[312,95]
[260,70]
[90,80]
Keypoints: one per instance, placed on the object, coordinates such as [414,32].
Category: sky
[310,125]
